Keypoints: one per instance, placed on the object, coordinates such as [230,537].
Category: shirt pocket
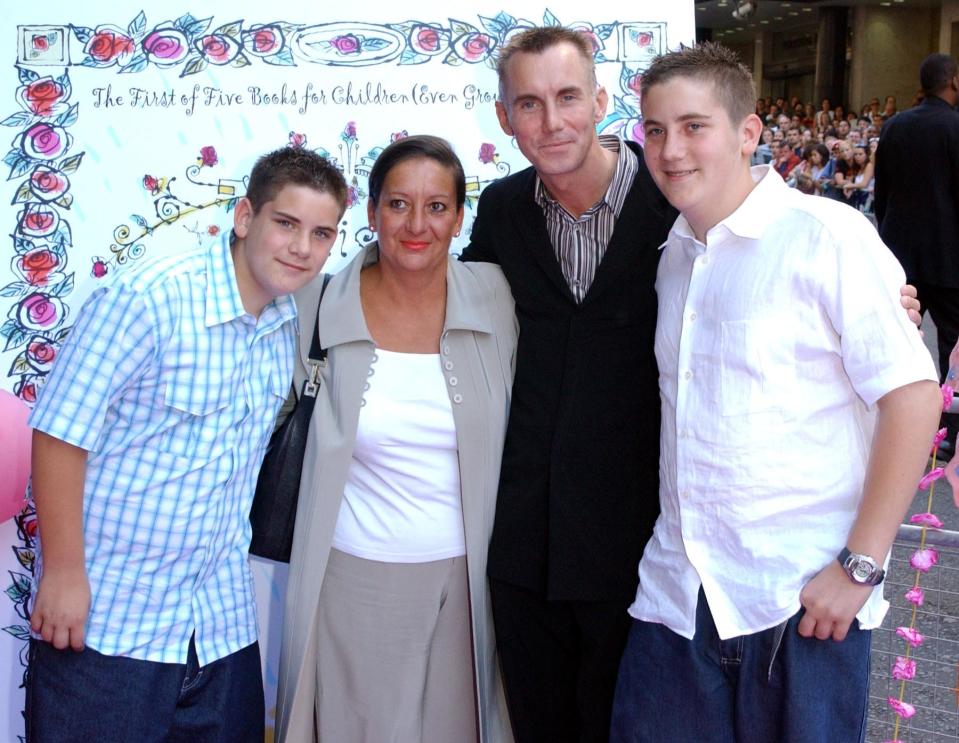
[757,367]
[198,416]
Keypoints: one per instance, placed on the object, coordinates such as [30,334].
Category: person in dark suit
[917,200]
[577,236]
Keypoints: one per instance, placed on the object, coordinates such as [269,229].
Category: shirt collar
[223,300]
[341,313]
[751,218]
[615,196]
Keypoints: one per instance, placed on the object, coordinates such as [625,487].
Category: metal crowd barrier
[933,691]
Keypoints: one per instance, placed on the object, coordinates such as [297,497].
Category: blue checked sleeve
[109,346]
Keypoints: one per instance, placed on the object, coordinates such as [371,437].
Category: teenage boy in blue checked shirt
[798,407]
[148,436]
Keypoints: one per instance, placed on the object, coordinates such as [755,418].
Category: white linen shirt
[774,341]
[172,388]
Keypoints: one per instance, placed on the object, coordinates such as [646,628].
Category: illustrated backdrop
[126,132]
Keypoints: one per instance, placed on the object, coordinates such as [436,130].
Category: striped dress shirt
[172,388]
[580,244]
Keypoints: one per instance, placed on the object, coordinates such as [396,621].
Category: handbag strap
[311,384]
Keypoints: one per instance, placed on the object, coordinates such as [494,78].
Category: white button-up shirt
[774,342]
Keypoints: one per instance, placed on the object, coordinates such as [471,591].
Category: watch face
[862,571]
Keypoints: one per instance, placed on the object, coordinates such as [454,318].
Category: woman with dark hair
[859,182]
[388,634]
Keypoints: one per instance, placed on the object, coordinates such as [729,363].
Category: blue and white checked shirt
[173,389]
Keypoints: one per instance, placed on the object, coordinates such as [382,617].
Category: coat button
[457,398]
[446,350]
[448,365]
[452,381]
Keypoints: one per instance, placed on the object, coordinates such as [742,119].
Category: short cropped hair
[707,62]
[417,146]
[536,41]
[296,166]
[936,72]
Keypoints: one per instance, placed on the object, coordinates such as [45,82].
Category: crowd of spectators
[829,152]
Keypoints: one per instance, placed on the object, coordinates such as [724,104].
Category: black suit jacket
[579,484]
[917,191]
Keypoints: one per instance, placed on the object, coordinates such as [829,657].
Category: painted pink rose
[638,134]
[27,391]
[40,43]
[635,83]
[218,49]
[397,136]
[474,46]
[346,44]
[41,95]
[39,312]
[151,184]
[644,38]
[109,44]
[40,354]
[208,156]
[349,131]
[37,265]
[427,39]
[37,220]
[297,139]
[263,41]
[99,268]
[166,47]
[593,39]
[48,184]
[487,153]
[45,142]
[213,230]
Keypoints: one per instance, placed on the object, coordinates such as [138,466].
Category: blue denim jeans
[88,696]
[773,686]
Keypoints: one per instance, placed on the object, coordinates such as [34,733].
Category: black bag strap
[311,384]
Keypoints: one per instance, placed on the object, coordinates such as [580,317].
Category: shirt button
[684,494]
[452,381]
[688,375]
[683,434]
[457,398]
[692,316]
[448,365]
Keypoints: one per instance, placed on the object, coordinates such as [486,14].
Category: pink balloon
[15,437]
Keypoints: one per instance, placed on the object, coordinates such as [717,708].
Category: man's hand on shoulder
[831,601]
[60,611]
[908,299]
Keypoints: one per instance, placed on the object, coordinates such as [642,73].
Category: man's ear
[503,117]
[242,216]
[602,101]
[752,129]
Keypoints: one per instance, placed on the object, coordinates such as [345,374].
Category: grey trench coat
[477,349]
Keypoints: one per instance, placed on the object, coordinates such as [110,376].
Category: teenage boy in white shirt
[799,404]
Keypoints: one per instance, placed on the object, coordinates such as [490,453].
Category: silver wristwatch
[861,569]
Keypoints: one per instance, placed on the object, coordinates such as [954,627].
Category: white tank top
[402,500]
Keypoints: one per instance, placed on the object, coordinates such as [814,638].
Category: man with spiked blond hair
[798,403]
